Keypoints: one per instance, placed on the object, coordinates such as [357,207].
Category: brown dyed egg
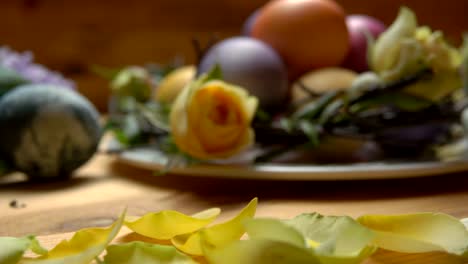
[308,34]
[321,81]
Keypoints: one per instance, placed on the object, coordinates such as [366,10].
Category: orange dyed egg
[308,34]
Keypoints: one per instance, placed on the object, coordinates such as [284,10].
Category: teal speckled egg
[47,131]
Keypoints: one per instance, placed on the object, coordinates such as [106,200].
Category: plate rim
[303,172]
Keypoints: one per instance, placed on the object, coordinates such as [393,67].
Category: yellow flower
[440,55]
[211,119]
[386,49]
[406,49]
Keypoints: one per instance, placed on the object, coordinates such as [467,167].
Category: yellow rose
[211,119]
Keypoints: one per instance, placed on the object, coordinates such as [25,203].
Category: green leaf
[417,233]
[9,79]
[330,111]
[314,108]
[12,249]
[131,126]
[261,251]
[406,102]
[168,146]
[126,130]
[105,72]
[157,116]
[214,74]
[312,131]
[287,124]
[140,253]
[336,239]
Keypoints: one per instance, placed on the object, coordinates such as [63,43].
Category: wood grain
[99,192]
[70,36]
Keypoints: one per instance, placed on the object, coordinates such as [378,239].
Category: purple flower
[23,64]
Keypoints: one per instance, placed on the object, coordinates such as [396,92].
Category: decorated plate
[411,105]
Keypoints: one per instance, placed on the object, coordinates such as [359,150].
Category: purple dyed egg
[253,65]
[357,25]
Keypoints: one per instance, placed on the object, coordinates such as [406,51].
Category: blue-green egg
[47,131]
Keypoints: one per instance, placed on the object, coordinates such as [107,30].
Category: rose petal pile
[174,238]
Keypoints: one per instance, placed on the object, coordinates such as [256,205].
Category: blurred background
[70,36]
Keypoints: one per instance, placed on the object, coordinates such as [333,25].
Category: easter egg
[321,81]
[172,84]
[47,131]
[308,34]
[358,27]
[249,22]
[252,64]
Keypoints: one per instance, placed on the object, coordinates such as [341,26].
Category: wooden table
[100,190]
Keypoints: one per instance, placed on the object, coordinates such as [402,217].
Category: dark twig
[200,50]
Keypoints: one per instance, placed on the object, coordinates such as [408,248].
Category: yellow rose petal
[437,87]
[12,248]
[343,240]
[465,222]
[82,248]
[261,251]
[273,229]
[417,233]
[217,235]
[141,253]
[335,239]
[408,62]
[167,224]
[385,51]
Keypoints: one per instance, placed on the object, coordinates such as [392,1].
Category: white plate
[154,160]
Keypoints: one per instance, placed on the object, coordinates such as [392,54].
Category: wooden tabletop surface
[101,189]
